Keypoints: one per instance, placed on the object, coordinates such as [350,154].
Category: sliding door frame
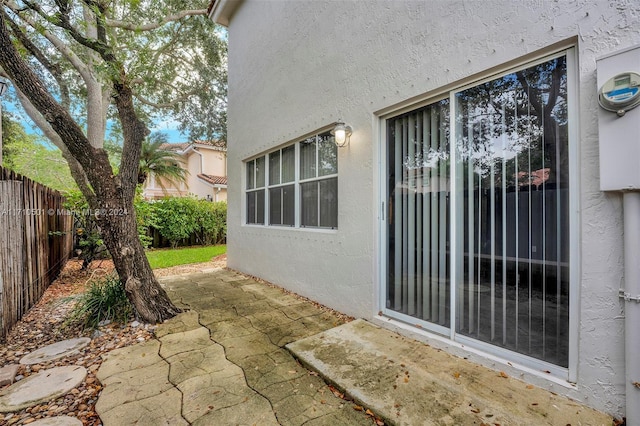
[454,221]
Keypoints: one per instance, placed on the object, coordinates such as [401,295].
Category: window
[282,172]
[255,190]
[301,184]
[319,184]
[490,161]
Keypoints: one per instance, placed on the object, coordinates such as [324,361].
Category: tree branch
[76,169]
[54,69]
[57,117]
[170,104]
[59,45]
[533,94]
[134,132]
[114,23]
[62,20]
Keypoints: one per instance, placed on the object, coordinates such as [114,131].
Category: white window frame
[534,365]
[255,189]
[297,182]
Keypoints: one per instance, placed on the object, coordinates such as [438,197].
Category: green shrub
[178,218]
[145,217]
[104,300]
[213,222]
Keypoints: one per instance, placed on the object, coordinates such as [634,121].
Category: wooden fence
[35,242]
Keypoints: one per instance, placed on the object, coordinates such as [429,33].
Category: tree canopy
[173,56]
[34,157]
[75,64]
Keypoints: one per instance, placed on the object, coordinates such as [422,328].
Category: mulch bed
[45,324]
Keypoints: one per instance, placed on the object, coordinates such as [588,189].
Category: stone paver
[185,372]
[253,322]
[57,421]
[8,374]
[224,362]
[41,387]
[162,409]
[55,351]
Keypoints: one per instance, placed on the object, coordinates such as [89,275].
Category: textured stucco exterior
[298,66]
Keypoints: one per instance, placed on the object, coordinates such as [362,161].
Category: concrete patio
[231,359]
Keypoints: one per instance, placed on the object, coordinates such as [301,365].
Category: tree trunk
[119,231]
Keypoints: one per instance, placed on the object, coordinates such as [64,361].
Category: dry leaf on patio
[358,408]
[475,410]
[336,392]
[504,375]
[530,387]
[456,375]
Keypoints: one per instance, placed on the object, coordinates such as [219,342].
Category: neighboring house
[466,209]
[206,165]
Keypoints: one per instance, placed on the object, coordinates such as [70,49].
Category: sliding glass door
[490,202]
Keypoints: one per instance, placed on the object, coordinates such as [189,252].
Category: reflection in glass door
[418,200]
[510,189]
[512,186]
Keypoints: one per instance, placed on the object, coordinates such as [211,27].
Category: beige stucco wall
[296,66]
[200,161]
[214,162]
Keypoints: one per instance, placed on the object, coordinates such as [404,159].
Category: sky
[167,126]
[170,128]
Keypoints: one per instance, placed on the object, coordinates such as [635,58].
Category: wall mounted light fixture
[341,134]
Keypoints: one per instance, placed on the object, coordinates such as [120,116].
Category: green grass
[165,258]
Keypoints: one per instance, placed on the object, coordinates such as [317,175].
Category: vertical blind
[419,211]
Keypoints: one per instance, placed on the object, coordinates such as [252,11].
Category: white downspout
[201,161]
[631,296]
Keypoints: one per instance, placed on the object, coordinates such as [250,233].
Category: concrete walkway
[224,362]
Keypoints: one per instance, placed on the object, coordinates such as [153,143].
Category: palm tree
[164,163]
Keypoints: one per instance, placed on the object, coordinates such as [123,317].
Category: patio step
[408,382]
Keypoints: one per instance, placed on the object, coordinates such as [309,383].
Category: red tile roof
[184,145]
[214,180]
[174,146]
[215,144]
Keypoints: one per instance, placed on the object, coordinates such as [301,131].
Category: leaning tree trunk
[110,196]
[119,231]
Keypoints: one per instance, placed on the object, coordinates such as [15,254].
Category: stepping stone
[8,374]
[41,387]
[55,351]
[57,421]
